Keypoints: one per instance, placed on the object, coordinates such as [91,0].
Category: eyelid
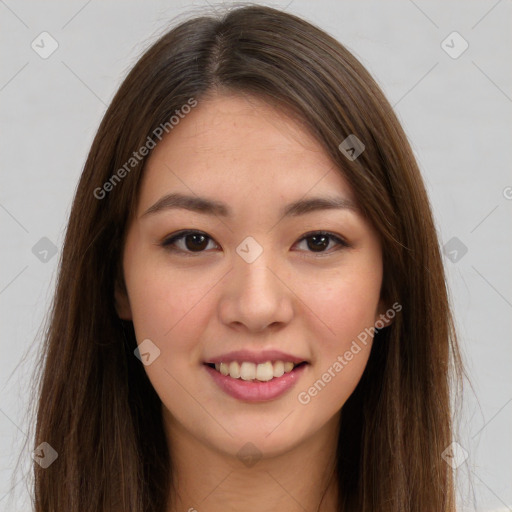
[167,242]
[340,241]
[334,236]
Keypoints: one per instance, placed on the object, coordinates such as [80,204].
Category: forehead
[240,146]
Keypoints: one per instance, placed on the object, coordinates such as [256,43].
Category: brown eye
[320,241]
[187,242]
[196,242]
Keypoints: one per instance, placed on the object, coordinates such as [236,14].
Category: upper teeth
[250,371]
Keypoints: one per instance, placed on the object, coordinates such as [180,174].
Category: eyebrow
[212,207]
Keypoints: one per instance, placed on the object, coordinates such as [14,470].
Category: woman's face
[254,285]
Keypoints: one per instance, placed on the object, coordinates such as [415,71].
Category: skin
[239,150]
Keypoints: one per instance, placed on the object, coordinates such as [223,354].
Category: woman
[251,309]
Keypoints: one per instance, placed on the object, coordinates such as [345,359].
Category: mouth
[252,372]
[256,382]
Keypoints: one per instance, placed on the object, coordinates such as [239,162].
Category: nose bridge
[256,276]
[254,281]
[255,296]
[252,260]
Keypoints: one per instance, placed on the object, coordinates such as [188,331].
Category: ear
[122,303]
[383,318]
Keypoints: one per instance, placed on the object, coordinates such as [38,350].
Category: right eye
[187,242]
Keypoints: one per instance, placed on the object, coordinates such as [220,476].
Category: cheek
[345,312]
[170,307]
[162,302]
[345,303]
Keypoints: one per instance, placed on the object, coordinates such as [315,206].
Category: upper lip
[255,357]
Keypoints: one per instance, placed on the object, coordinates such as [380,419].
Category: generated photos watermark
[143,151]
[304,397]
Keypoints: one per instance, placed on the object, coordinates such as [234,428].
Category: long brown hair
[96,406]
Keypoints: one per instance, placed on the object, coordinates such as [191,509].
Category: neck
[207,480]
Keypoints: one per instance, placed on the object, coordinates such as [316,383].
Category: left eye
[197,242]
[190,241]
[319,241]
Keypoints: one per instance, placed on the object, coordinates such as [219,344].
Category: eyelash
[168,243]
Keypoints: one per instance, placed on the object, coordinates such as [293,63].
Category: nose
[256,295]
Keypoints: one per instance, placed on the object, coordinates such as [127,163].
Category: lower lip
[256,391]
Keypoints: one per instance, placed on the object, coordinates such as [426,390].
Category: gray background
[456,112]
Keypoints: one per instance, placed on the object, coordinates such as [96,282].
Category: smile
[247,386]
[248,371]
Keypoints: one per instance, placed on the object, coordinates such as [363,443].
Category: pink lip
[255,357]
[254,391]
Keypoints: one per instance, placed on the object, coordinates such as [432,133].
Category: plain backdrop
[455,104]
